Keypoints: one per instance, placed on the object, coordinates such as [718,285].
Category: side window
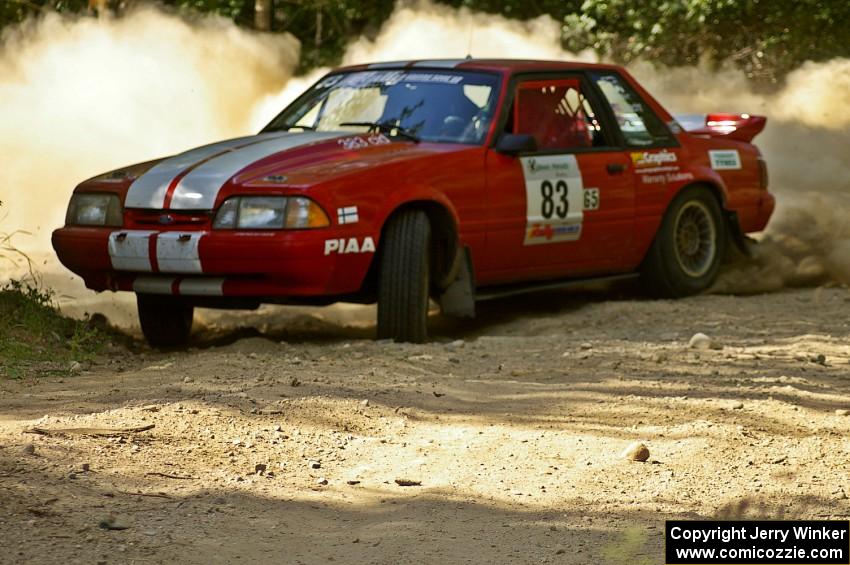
[639,124]
[558,114]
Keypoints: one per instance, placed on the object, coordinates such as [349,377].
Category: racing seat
[554,113]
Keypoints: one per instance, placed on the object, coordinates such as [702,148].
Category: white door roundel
[554,194]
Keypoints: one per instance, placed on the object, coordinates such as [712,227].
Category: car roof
[504,66]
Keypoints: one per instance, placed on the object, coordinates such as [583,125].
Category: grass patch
[36,340]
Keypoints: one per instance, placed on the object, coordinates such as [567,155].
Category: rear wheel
[685,257]
[166,320]
[404,279]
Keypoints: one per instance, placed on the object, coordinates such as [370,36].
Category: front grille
[165,219]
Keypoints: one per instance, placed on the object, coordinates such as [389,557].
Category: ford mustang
[406,182]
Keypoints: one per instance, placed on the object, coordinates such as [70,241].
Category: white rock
[702,341]
[636,452]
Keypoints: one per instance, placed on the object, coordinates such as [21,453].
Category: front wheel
[688,249]
[404,279]
[166,320]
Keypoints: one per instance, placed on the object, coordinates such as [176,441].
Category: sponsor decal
[554,195]
[725,159]
[641,159]
[591,199]
[347,215]
[344,246]
[363,141]
[371,78]
[548,232]
[668,177]
[434,78]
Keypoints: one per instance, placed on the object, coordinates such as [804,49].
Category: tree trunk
[317,39]
[263,15]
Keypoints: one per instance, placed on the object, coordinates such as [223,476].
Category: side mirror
[515,143]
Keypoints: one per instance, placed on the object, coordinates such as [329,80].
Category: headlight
[269,213]
[94,209]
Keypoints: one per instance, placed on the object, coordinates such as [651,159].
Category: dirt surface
[288,446]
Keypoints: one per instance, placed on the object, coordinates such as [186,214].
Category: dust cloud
[806,144]
[80,96]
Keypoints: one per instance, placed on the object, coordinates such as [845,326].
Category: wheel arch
[729,217]
[716,189]
[444,241]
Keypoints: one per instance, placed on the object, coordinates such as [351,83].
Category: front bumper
[294,263]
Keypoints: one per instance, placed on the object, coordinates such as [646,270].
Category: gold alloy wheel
[695,236]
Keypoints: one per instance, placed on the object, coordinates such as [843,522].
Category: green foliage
[520,9]
[239,11]
[15,11]
[35,339]
[325,28]
[766,38]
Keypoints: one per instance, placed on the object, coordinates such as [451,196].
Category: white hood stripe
[199,188]
[148,191]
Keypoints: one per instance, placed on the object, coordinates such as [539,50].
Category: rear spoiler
[743,127]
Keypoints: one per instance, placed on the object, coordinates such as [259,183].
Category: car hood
[193,180]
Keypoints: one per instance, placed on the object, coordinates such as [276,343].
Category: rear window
[638,123]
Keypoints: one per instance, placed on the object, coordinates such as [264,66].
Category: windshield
[441,106]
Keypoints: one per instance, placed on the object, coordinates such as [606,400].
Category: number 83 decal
[556,199]
[552,194]
[556,202]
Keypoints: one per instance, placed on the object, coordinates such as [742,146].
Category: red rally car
[452,180]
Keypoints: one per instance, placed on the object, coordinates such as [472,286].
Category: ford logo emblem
[166,219]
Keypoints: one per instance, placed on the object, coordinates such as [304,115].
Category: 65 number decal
[554,199]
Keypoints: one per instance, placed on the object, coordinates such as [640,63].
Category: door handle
[615,168]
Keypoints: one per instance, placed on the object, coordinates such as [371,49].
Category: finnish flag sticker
[347,215]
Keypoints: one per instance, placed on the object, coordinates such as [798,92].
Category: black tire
[404,279]
[689,246]
[166,320]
